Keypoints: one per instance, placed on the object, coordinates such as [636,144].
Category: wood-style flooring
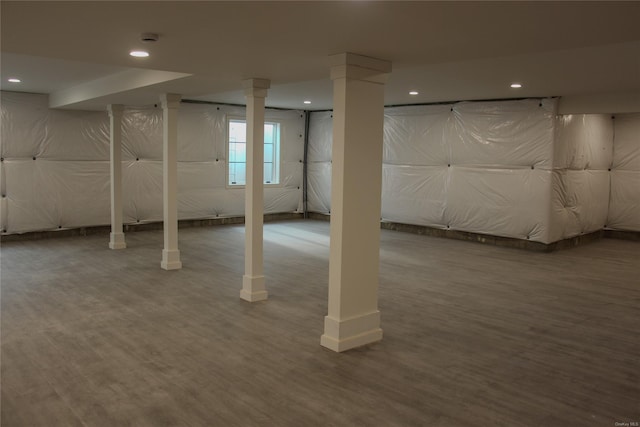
[474,335]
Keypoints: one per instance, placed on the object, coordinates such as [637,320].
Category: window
[238,152]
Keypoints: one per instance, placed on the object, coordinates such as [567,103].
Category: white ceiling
[586,52]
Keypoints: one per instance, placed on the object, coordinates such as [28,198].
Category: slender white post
[116,237]
[170,253]
[253,281]
[353,319]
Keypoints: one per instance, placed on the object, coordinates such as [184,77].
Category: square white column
[170,253]
[253,281]
[353,319]
[116,237]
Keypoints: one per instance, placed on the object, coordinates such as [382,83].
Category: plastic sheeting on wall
[142,134]
[420,190]
[582,156]
[506,133]
[584,141]
[29,205]
[500,202]
[505,168]
[579,202]
[319,162]
[624,207]
[68,185]
[418,135]
[24,122]
[465,166]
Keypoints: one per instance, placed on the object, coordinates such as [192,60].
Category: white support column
[116,238]
[170,253]
[253,282]
[353,319]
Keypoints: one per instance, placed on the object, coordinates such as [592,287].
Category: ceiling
[586,52]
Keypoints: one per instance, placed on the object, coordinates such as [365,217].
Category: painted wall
[67,185]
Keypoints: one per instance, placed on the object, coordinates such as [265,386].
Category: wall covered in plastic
[482,167]
[54,171]
[507,168]
[624,206]
[479,166]
[582,158]
[319,162]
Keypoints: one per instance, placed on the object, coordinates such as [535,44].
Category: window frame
[277,156]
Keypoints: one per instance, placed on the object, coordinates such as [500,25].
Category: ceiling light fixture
[307,102]
[14,80]
[516,85]
[413,92]
[139,53]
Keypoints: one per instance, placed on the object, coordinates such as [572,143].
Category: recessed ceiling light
[307,102]
[139,53]
[413,92]
[516,85]
[14,80]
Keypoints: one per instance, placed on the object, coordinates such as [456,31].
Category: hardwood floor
[474,335]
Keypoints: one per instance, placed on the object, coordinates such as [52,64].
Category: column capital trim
[115,109]
[256,87]
[359,67]
[170,100]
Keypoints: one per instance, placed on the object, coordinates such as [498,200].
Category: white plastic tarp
[499,202]
[68,185]
[30,206]
[142,134]
[584,141]
[468,166]
[506,168]
[624,207]
[24,125]
[418,135]
[579,202]
[319,187]
[319,162]
[582,158]
[420,190]
[507,133]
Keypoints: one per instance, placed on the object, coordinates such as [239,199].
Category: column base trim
[351,333]
[253,288]
[171,260]
[116,241]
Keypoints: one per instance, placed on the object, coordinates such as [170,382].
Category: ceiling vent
[149,37]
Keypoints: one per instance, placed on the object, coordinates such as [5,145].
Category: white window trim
[280,124]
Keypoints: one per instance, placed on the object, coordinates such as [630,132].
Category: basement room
[320,213]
